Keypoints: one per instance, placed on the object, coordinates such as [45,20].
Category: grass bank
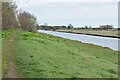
[103,33]
[39,55]
[0,56]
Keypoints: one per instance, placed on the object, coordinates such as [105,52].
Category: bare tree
[9,16]
[27,21]
[70,26]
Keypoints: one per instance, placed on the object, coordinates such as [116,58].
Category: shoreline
[85,42]
[91,34]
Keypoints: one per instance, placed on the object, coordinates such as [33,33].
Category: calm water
[101,41]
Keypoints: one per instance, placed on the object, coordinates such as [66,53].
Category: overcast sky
[76,12]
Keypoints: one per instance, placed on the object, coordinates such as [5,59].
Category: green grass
[41,55]
[0,56]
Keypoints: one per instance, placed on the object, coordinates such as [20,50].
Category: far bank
[102,33]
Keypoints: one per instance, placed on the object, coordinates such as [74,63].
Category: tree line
[101,27]
[47,27]
[12,18]
[70,26]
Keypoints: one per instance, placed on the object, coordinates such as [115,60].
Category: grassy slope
[0,56]
[42,55]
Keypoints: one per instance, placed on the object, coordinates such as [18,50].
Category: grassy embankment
[39,55]
[108,33]
[0,57]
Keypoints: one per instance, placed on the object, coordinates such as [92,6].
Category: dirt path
[12,72]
